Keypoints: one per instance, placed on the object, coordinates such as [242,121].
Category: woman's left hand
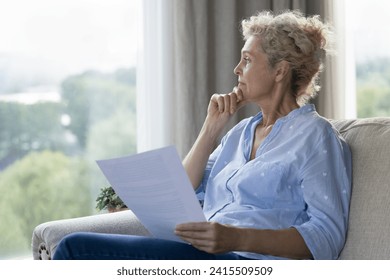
[210,237]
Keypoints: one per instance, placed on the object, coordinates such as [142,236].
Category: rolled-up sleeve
[326,188]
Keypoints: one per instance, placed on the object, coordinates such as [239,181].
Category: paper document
[155,186]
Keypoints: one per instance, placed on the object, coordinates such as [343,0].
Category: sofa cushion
[369,223]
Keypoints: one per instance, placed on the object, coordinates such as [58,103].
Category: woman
[279,183]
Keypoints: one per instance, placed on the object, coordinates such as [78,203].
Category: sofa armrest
[46,236]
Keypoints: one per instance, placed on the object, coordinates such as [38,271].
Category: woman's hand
[222,107]
[226,104]
[210,237]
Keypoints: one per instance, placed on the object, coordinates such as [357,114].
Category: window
[67,98]
[369,44]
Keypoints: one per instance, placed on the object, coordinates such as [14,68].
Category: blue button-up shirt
[300,177]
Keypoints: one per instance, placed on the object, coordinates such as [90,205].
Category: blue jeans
[98,246]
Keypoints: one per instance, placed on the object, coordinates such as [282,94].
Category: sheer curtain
[335,91]
[188,52]
[155,75]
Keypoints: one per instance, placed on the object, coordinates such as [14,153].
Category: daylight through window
[67,98]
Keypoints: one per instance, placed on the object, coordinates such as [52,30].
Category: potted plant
[109,200]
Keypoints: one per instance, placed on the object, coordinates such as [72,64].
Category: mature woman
[279,183]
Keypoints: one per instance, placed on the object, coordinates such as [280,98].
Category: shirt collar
[294,113]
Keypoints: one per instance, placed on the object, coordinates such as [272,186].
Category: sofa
[368,234]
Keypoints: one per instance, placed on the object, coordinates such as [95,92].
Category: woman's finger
[200,226]
[221,103]
[238,92]
[233,103]
[241,102]
[226,101]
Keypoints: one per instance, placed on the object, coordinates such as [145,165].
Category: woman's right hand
[222,107]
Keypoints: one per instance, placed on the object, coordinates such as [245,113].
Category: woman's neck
[279,105]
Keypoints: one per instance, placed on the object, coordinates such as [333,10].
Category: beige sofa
[369,223]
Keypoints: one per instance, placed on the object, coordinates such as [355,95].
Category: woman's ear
[282,70]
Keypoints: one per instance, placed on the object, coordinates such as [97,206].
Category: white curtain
[188,52]
[336,91]
[155,74]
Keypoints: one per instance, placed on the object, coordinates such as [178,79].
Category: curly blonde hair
[301,41]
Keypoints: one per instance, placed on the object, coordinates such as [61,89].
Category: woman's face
[256,78]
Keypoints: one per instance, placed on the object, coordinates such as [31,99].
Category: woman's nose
[237,70]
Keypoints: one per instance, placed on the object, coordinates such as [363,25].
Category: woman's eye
[246,59]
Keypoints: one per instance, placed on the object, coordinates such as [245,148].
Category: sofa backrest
[369,222]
